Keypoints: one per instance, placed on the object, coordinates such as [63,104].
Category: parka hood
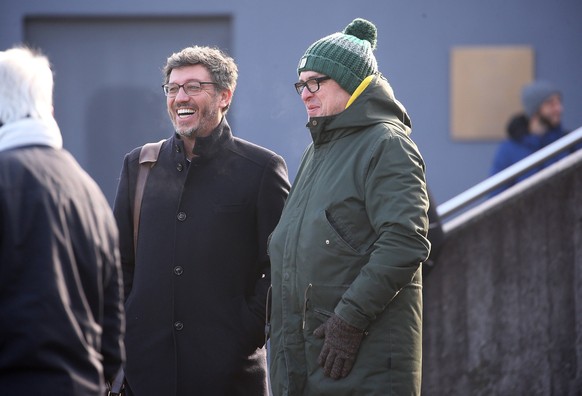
[375,105]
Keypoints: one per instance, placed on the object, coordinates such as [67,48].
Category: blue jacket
[521,144]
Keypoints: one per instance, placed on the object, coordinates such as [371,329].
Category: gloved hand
[340,347]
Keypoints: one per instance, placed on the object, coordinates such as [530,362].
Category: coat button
[178,325]
[286,276]
[180,167]
[314,122]
[177,148]
[178,270]
[181,216]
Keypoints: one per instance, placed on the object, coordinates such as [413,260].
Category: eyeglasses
[312,84]
[191,88]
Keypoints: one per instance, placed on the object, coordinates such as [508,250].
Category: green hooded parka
[350,241]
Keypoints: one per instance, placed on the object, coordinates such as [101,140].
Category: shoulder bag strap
[147,159]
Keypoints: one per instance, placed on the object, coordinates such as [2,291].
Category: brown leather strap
[147,159]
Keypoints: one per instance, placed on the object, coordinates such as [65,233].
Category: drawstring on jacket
[305,301]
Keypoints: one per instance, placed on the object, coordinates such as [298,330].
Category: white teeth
[185,112]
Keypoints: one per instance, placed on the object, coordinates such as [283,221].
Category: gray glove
[340,348]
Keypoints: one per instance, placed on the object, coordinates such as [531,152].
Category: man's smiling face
[197,115]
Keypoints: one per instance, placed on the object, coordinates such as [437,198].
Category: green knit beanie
[346,57]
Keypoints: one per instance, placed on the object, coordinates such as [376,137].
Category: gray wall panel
[415,37]
[108,96]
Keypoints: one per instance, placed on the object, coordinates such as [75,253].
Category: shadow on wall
[118,120]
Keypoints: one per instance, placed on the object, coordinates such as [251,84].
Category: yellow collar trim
[364,84]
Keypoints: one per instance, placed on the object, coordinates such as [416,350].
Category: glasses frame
[300,86]
[201,83]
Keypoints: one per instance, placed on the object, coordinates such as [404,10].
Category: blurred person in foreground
[346,255]
[61,302]
[197,280]
[538,126]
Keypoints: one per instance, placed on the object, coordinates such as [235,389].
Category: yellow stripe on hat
[364,84]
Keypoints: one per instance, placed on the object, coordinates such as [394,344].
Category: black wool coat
[196,291]
[61,302]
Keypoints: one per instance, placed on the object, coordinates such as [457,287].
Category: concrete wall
[503,305]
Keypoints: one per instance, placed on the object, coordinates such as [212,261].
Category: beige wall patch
[486,85]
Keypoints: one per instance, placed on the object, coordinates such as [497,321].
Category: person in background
[197,285]
[61,296]
[346,255]
[538,126]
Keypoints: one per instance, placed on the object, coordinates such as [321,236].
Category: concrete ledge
[503,305]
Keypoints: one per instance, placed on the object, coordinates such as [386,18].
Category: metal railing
[462,200]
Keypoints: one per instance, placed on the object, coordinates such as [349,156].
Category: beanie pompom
[364,30]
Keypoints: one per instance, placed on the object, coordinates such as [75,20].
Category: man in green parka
[346,315]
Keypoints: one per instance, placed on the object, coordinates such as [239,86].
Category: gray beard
[188,134]
[193,133]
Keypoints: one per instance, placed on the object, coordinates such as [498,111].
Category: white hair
[26,85]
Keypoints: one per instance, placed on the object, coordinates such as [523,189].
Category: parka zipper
[268,315]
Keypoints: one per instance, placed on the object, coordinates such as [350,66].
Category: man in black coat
[61,302]
[198,279]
